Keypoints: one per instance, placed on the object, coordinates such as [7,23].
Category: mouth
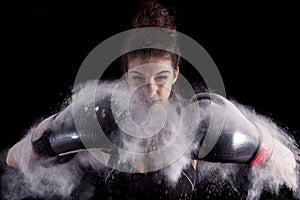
[142,100]
[151,101]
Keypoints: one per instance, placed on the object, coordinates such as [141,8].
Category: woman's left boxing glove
[226,135]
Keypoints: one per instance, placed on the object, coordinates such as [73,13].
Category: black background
[43,43]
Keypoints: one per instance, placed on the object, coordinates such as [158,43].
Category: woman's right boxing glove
[58,136]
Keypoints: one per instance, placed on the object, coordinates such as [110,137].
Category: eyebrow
[165,71]
[136,72]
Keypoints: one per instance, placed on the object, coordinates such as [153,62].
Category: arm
[56,137]
[281,157]
[13,156]
[238,140]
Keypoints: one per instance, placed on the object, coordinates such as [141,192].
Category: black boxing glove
[58,136]
[226,135]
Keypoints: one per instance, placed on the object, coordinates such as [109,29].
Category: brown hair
[152,14]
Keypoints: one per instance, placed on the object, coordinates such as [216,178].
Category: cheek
[164,92]
[165,89]
[133,83]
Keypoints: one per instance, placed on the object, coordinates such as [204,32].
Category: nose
[152,91]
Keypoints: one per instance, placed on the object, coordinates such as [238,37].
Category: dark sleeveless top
[151,185]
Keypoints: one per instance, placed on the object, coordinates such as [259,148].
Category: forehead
[152,64]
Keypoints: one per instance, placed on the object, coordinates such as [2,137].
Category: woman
[150,76]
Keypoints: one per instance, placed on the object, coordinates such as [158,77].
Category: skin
[152,83]
[155,85]
[282,157]
[10,158]
[153,78]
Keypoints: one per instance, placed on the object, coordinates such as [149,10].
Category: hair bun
[153,14]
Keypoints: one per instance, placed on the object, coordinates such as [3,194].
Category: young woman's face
[152,78]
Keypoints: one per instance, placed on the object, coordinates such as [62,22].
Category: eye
[138,78]
[160,78]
